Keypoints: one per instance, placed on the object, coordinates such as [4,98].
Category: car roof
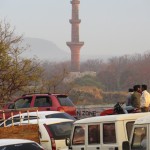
[110,118]
[4,142]
[45,121]
[143,120]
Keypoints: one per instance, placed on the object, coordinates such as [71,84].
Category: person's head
[144,87]
[136,88]
[130,90]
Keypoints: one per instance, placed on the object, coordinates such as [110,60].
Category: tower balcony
[72,21]
[75,44]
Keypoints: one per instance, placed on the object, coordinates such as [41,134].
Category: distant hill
[47,50]
[44,50]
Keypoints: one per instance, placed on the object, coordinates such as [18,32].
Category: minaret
[75,45]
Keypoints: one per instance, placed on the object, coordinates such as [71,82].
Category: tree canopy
[15,72]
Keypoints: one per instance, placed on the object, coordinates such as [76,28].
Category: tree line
[121,73]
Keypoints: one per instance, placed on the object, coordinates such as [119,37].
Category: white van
[102,132]
[140,136]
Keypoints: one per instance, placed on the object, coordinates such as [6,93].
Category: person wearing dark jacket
[135,97]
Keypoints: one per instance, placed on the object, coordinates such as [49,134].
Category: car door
[109,139]
[93,134]
[43,103]
[24,102]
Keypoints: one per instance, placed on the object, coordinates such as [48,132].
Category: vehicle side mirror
[126,145]
[67,141]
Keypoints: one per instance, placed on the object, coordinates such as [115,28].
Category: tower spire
[75,45]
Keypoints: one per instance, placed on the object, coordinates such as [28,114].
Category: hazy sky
[108,27]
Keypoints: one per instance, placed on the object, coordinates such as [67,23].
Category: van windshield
[139,141]
[60,130]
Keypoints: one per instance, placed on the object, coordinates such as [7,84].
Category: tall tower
[75,45]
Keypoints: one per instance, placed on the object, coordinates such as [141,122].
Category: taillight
[60,109]
[51,137]
[42,148]
[53,144]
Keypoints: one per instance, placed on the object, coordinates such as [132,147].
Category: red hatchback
[44,102]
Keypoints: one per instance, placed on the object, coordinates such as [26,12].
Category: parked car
[53,131]
[44,102]
[19,144]
[36,115]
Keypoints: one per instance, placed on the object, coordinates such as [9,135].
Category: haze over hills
[44,50]
[47,50]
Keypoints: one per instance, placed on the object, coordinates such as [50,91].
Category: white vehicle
[102,132]
[19,144]
[36,115]
[140,135]
[53,131]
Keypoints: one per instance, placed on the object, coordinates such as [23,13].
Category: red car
[44,102]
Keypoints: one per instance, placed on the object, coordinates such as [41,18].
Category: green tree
[16,72]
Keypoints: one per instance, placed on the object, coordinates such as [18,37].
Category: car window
[93,134]
[60,130]
[30,118]
[60,115]
[23,102]
[21,146]
[65,101]
[79,135]
[139,141]
[109,133]
[11,106]
[42,101]
[10,121]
